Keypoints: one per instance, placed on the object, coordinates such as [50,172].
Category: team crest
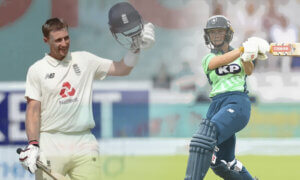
[76,69]
[124,19]
[213,21]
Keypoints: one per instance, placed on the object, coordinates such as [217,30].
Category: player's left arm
[144,41]
[33,112]
[120,68]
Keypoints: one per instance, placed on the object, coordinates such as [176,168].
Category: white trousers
[72,154]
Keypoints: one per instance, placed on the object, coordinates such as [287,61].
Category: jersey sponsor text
[228,69]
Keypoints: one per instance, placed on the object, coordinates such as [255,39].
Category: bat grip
[19,150]
[271,50]
[241,49]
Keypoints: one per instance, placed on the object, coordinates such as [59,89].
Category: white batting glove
[263,47]
[145,40]
[29,156]
[147,36]
[250,51]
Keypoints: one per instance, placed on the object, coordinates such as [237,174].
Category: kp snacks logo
[67,90]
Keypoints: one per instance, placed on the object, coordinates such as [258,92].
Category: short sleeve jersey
[230,77]
[64,89]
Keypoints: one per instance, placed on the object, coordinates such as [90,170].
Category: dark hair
[53,24]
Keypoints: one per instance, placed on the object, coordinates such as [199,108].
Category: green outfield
[173,167]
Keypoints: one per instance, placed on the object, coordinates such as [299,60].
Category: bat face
[285,49]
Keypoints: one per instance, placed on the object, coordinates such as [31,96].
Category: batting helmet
[215,22]
[124,18]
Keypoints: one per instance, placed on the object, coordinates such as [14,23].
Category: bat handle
[45,169]
[19,150]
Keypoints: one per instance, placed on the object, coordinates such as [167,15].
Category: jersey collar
[217,51]
[54,62]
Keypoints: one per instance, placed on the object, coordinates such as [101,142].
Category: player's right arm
[33,96]
[33,112]
[218,61]
[29,155]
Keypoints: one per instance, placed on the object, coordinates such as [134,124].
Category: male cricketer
[59,96]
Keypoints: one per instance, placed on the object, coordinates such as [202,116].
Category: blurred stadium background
[144,121]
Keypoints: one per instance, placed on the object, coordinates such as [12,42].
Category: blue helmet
[215,22]
[125,19]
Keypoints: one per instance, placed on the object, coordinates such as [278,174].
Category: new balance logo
[230,110]
[67,90]
[49,75]
[228,69]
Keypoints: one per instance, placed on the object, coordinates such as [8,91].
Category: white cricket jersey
[64,89]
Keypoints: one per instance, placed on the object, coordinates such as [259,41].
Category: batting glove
[250,51]
[263,47]
[147,36]
[145,40]
[28,157]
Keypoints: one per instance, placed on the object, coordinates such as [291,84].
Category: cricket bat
[47,170]
[285,49]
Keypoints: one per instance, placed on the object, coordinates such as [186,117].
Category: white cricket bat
[40,165]
[285,49]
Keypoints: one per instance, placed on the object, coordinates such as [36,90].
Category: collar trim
[55,62]
[217,51]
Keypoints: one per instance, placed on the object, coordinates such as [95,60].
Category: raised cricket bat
[285,49]
[47,170]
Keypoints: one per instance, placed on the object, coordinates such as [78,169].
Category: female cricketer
[213,145]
